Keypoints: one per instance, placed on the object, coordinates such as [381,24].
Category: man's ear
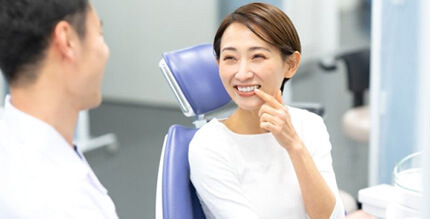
[65,40]
[292,64]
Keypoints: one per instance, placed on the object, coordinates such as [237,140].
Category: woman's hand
[275,118]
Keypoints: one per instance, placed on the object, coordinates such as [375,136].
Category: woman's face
[247,62]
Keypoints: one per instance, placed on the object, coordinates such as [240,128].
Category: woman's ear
[292,64]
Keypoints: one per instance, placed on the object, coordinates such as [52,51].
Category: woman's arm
[319,199]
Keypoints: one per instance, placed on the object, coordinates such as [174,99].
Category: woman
[266,160]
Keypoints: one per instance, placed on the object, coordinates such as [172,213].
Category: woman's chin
[250,106]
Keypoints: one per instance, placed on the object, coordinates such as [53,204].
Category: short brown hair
[268,22]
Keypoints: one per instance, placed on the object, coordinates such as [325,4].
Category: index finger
[268,98]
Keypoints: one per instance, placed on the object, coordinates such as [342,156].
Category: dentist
[53,55]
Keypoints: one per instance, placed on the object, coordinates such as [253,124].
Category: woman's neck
[244,122]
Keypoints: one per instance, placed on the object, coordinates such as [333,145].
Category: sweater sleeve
[215,178]
[319,145]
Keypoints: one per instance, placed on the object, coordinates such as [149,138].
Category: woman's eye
[228,58]
[259,56]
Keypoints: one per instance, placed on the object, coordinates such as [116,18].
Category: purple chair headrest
[193,76]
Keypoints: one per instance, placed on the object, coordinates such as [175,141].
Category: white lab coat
[41,176]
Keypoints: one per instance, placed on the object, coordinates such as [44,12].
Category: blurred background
[139,107]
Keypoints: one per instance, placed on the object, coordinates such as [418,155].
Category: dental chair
[192,74]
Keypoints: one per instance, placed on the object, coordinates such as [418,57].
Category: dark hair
[26,27]
[269,23]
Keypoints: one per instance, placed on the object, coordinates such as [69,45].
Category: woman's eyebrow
[229,48]
[259,48]
[250,49]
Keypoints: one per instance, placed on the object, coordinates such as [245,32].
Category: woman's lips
[246,90]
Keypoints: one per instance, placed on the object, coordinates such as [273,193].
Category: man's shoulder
[5,137]
[8,137]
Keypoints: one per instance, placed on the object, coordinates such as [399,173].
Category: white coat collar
[45,139]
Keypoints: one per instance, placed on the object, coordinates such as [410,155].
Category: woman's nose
[243,73]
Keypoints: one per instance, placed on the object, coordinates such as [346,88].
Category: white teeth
[247,89]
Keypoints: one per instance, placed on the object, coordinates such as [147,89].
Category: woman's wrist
[296,148]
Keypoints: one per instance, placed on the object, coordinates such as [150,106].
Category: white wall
[138,31]
[317,23]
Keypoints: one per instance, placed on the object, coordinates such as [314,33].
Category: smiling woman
[266,160]
[248,62]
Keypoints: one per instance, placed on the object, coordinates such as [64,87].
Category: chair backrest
[179,197]
[192,74]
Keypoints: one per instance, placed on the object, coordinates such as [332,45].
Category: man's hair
[25,32]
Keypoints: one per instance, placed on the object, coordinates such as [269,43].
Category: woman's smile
[246,90]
